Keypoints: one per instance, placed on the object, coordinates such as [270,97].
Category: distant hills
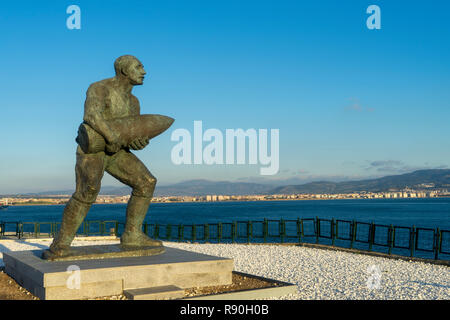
[200,188]
[422,179]
[186,188]
[204,187]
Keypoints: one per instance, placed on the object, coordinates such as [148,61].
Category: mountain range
[422,179]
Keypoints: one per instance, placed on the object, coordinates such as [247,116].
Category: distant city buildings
[110,199]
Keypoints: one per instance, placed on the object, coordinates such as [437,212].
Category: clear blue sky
[349,102]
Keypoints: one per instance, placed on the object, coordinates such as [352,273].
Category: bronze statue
[112,126]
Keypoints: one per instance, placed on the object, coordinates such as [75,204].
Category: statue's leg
[128,169]
[89,172]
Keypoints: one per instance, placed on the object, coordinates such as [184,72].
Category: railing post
[116,231]
[206,232]
[18,230]
[146,228]
[249,231]
[438,242]
[219,232]
[317,229]
[332,231]
[411,240]
[281,230]
[353,227]
[299,230]
[233,231]
[302,234]
[169,231]
[156,232]
[265,229]
[391,235]
[54,229]
[371,235]
[180,232]
[194,231]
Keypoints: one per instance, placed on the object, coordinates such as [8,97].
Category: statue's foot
[138,239]
[55,252]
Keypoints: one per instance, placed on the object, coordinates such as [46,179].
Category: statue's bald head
[130,67]
[123,62]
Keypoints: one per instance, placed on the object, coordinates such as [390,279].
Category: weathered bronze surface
[113,112]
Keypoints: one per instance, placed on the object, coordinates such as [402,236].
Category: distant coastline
[43,203]
[418,184]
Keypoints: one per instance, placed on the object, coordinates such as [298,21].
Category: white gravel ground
[319,274]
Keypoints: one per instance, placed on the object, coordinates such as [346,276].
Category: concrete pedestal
[57,280]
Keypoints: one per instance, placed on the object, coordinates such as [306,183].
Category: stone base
[57,280]
[155,293]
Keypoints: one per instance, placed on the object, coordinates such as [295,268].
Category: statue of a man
[107,100]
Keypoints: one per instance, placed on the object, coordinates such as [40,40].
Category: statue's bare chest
[118,105]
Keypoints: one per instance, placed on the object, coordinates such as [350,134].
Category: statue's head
[131,68]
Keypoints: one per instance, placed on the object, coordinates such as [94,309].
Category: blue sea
[428,213]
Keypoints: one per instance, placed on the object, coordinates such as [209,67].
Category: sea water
[427,213]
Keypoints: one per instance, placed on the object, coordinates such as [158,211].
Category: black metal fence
[407,241]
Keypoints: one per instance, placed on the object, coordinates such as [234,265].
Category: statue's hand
[139,144]
[112,142]
[113,147]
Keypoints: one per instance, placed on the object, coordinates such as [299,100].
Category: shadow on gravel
[431,284]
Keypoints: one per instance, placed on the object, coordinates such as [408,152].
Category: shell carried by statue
[129,129]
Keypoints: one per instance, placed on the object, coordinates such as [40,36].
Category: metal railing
[406,241]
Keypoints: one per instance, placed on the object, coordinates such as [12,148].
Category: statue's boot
[133,235]
[74,214]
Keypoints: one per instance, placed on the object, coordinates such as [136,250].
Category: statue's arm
[93,113]
[135,106]
[139,143]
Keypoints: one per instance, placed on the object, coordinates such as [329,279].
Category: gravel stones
[318,274]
